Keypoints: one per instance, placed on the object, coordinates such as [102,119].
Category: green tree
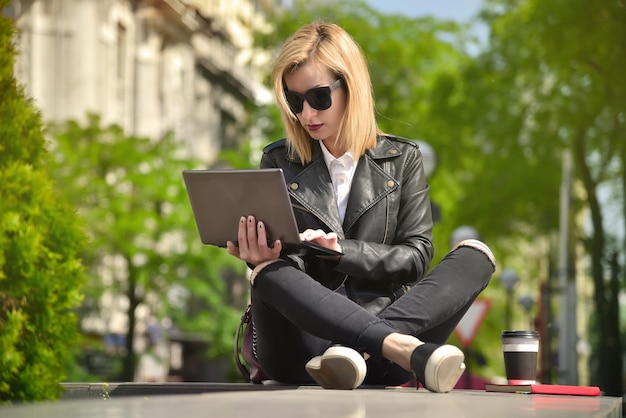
[40,237]
[550,79]
[144,246]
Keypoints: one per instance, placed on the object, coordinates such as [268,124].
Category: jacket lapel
[313,189]
[371,182]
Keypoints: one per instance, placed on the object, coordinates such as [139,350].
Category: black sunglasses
[318,98]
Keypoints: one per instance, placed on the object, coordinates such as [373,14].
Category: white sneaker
[338,368]
[438,367]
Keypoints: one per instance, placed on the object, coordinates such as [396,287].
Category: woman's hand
[253,246]
[326,240]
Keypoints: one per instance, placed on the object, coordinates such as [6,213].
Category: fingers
[262,243]
[312,234]
[261,235]
[253,247]
[242,235]
[328,240]
[317,234]
[251,235]
[232,248]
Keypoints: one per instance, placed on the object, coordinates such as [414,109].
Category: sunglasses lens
[295,101]
[319,98]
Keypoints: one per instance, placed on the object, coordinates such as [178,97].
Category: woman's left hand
[252,245]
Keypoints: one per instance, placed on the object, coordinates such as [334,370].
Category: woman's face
[322,125]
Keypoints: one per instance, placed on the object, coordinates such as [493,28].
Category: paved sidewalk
[201,400]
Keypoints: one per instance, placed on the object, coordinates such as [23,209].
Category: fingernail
[243,219]
[260,225]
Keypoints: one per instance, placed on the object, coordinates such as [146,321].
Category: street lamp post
[509,279]
[527,302]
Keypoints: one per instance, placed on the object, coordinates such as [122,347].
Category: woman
[372,314]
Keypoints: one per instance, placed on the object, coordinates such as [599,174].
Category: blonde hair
[333,47]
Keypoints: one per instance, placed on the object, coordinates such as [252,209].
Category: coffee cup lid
[520,334]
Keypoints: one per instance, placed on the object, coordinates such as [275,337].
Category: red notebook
[545,389]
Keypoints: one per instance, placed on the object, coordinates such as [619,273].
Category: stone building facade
[150,66]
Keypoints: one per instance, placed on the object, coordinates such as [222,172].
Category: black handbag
[251,370]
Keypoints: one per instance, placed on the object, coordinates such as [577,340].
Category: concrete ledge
[202,400]
[111,390]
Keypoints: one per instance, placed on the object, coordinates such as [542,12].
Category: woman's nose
[307,110]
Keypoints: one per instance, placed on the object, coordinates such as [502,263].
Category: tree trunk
[613,382]
[605,297]
[622,153]
[129,363]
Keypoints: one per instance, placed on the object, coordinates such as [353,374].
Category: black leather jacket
[386,236]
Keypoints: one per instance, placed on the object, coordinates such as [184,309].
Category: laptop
[219,198]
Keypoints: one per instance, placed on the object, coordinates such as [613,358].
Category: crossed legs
[310,318]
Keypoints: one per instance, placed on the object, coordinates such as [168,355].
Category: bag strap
[245,321]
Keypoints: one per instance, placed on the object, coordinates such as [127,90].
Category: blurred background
[517,105]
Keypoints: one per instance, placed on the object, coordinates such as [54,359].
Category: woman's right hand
[318,236]
[252,239]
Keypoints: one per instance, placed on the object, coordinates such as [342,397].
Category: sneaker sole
[337,368]
[444,368]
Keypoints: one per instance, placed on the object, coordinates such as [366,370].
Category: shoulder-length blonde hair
[333,47]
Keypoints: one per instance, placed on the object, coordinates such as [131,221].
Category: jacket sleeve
[407,256]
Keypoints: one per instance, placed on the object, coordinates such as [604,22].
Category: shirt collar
[347,159]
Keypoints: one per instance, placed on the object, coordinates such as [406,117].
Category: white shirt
[341,173]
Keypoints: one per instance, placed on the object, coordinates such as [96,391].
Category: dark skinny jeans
[296,318]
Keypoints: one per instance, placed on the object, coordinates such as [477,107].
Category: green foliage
[553,79]
[41,275]
[40,271]
[144,244]
[22,140]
